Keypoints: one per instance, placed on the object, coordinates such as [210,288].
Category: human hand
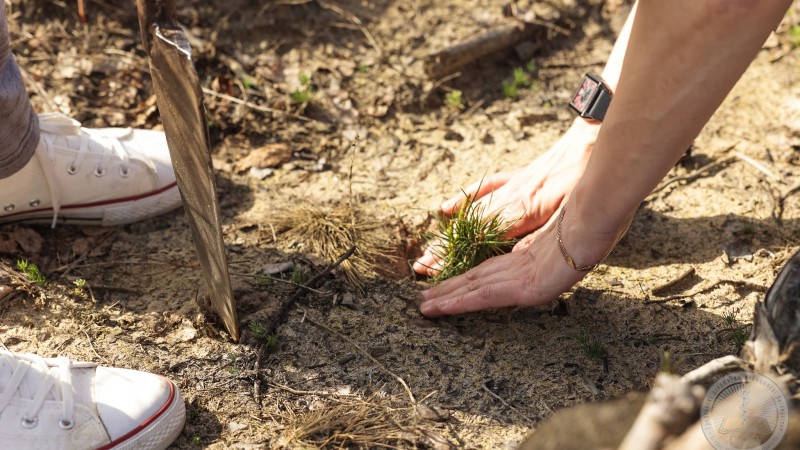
[525,198]
[533,274]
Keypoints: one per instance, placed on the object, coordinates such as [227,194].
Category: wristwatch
[592,98]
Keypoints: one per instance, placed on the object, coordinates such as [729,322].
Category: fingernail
[426,308]
[447,205]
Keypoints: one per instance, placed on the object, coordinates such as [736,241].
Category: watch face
[585,94]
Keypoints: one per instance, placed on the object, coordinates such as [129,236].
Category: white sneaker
[109,176]
[56,404]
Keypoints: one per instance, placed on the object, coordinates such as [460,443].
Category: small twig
[251,105]
[368,356]
[356,21]
[688,273]
[696,174]
[505,403]
[760,167]
[782,200]
[91,345]
[718,366]
[280,317]
[753,286]
[300,392]
[280,280]
[257,380]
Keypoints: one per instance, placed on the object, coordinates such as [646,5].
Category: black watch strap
[592,98]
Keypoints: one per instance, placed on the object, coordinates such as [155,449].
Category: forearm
[610,74]
[682,59]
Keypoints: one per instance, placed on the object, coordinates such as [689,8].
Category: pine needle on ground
[329,231]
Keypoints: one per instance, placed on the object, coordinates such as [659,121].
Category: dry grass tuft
[328,232]
[358,424]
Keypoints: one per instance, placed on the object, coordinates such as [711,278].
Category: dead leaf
[30,241]
[5,291]
[270,155]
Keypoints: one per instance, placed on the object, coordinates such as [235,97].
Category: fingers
[428,263]
[494,295]
[486,286]
[477,190]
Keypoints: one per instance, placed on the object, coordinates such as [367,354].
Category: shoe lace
[61,125]
[56,379]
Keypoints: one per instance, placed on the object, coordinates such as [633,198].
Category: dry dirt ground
[339,113]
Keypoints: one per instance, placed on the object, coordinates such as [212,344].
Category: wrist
[584,130]
[590,230]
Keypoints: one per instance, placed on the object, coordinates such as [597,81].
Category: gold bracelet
[560,241]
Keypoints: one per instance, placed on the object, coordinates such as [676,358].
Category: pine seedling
[591,346]
[469,238]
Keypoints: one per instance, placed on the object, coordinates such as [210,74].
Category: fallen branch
[747,284]
[497,38]
[719,366]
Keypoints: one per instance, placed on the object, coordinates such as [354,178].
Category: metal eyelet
[29,423]
[34,203]
[71,169]
[66,424]
[99,171]
[124,172]
[8,208]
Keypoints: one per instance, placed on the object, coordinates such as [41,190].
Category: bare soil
[378,136]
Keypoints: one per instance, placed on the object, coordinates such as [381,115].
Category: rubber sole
[158,431]
[120,211]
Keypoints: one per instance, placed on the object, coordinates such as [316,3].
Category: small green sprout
[455,100]
[80,287]
[521,78]
[264,281]
[363,68]
[729,317]
[469,238]
[739,334]
[794,35]
[32,272]
[510,90]
[306,93]
[298,276]
[263,336]
[197,441]
[592,346]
